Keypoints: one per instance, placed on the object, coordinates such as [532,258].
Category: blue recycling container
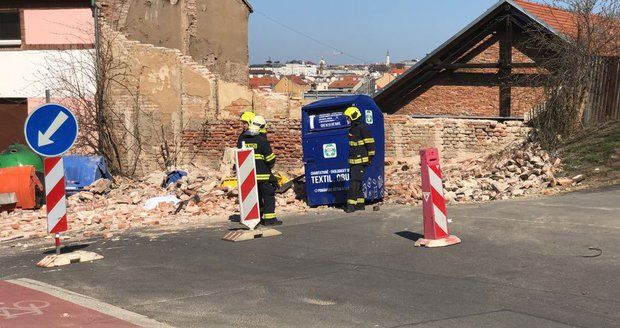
[326,149]
[82,171]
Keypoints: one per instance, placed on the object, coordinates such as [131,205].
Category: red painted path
[22,307]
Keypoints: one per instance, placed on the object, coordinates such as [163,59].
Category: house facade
[294,86]
[40,41]
[488,69]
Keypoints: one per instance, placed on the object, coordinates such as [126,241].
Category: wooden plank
[245,235]
[487,79]
[505,70]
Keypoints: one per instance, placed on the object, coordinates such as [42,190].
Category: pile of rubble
[107,207]
[524,170]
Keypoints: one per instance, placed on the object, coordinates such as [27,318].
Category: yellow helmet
[353,113]
[247,117]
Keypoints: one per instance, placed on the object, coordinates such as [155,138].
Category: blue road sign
[51,130]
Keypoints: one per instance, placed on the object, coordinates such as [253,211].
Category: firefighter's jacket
[263,155]
[361,144]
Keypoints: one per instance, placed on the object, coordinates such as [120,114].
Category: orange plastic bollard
[22,181]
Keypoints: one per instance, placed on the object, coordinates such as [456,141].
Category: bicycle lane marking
[24,307]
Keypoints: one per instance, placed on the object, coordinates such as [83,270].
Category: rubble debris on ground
[109,206]
[523,170]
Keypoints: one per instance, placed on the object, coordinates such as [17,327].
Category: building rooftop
[263,82]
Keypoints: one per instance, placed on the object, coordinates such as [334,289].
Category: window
[10,31]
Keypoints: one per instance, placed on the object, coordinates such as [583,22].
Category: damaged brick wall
[209,144]
[456,139]
[169,98]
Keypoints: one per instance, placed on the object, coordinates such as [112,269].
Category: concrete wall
[157,22]
[213,32]
[221,38]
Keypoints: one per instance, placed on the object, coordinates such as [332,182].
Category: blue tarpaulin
[174,176]
[82,171]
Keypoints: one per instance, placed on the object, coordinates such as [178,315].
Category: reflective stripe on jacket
[361,144]
[263,155]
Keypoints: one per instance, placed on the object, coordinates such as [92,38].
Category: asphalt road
[524,263]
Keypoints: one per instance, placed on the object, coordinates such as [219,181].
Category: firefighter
[361,152]
[264,159]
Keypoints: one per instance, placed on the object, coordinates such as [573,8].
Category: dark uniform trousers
[361,152]
[355,195]
[267,199]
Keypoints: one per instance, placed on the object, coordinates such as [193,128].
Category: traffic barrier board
[436,231]
[248,188]
[55,195]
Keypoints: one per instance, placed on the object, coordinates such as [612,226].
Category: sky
[355,31]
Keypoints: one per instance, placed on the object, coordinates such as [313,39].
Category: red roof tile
[347,81]
[299,80]
[560,20]
[265,81]
[397,71]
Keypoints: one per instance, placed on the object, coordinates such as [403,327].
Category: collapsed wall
[456,139]
[167,109]
[175,111]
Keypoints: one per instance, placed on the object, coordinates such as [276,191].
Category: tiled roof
[347,81]
[265,81]
[297,79]
[560,20]
[397,71]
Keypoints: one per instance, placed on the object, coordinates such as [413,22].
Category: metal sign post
[50,131]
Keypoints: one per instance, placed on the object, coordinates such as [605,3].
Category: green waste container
[20,155]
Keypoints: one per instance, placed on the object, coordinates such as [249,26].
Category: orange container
[22,181]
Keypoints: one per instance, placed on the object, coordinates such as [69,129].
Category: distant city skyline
[284,30]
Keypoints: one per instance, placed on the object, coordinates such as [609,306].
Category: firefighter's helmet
[353,113]
[247,117]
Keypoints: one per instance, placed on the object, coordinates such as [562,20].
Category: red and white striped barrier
[55,195]
[55,198]
[248,188]
[436,232]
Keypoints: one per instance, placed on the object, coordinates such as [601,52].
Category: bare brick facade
[474,99]
[208,145]
[455,138]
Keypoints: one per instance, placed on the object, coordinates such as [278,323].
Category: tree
[568,66]
[85,80]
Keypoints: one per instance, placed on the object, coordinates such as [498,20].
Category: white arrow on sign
[44,138]
[426,195]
